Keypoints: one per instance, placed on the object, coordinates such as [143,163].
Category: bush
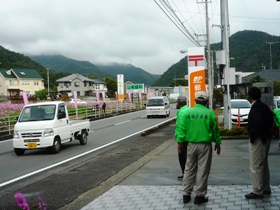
[233,131]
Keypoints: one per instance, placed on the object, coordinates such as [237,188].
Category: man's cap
[181,98]
[202,95]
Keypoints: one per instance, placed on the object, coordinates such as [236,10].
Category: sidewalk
[154,186]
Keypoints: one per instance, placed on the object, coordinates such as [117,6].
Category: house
[83,85]
[268,75]
[14,81]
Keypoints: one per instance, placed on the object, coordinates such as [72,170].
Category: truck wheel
[56,146]
[19,152]
[83,138]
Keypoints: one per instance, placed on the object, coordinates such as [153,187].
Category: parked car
[244,109]
[79,101]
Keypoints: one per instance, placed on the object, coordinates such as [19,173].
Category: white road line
[80,155]
[123,122]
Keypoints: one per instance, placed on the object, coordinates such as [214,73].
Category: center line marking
[123,122]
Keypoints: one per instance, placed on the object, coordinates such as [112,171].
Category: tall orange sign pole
[196,69]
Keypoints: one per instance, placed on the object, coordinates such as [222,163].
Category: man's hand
[218,148]
[180,147]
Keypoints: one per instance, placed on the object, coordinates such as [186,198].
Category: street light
[48,81]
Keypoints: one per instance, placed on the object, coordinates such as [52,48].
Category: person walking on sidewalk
[104,108]
[276,115]
[182,143]
[260,121]
[200,130]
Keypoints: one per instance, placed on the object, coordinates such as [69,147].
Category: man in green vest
[200,129]
[182,143]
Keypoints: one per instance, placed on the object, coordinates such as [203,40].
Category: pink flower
[18,195]
[21,201]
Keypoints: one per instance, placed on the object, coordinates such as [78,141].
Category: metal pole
[270,43]
[48,81]
[270,57]
[225,43]
[210,89]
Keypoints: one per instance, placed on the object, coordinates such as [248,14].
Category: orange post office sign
[196,69]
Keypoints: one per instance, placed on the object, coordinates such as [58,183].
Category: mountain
[59,63]
[130,72]
[9,59]
[249,52]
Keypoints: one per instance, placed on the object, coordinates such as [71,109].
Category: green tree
[42,94]
[256,79]
[111,86]
[276,87]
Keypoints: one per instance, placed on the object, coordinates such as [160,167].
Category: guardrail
[82,112]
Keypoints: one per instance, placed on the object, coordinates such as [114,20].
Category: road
[102,134]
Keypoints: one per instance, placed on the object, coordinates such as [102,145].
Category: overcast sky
[124,31]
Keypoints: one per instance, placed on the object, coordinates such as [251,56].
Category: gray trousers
[199,159]
[259,170]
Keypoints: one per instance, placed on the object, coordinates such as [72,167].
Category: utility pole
[225,44]
[210,87]
[48,81]
[270,43]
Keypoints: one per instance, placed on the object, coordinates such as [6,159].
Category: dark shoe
[186,198]
[200,199]
[267,192]
[180,177]
[253,196]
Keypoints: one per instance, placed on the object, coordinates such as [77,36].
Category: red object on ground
[238,118]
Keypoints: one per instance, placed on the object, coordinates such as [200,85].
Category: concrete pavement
[155,186]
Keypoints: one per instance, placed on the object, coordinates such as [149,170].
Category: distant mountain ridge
[59,63]
[249,49]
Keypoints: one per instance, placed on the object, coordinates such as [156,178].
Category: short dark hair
[255,93]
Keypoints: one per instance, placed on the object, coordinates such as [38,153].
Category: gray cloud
[124,31]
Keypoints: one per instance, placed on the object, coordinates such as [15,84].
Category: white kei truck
[47,125]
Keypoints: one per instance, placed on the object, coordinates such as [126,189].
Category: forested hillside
[249,52]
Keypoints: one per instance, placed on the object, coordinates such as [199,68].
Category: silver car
[244,109]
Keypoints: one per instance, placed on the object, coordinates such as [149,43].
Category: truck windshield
[155,102]
[37,113]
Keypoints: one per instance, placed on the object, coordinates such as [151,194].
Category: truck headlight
[48,132]
[16,134]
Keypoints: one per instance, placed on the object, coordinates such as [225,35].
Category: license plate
[241,119]
[31,145]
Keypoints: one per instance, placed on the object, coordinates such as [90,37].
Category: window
[36,82]
[85,84]
[67,84]
[11,82]
[77,84]
[61,112]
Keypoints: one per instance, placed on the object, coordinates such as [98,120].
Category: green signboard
[135,88]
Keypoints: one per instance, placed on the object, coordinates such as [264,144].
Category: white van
[158,106]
